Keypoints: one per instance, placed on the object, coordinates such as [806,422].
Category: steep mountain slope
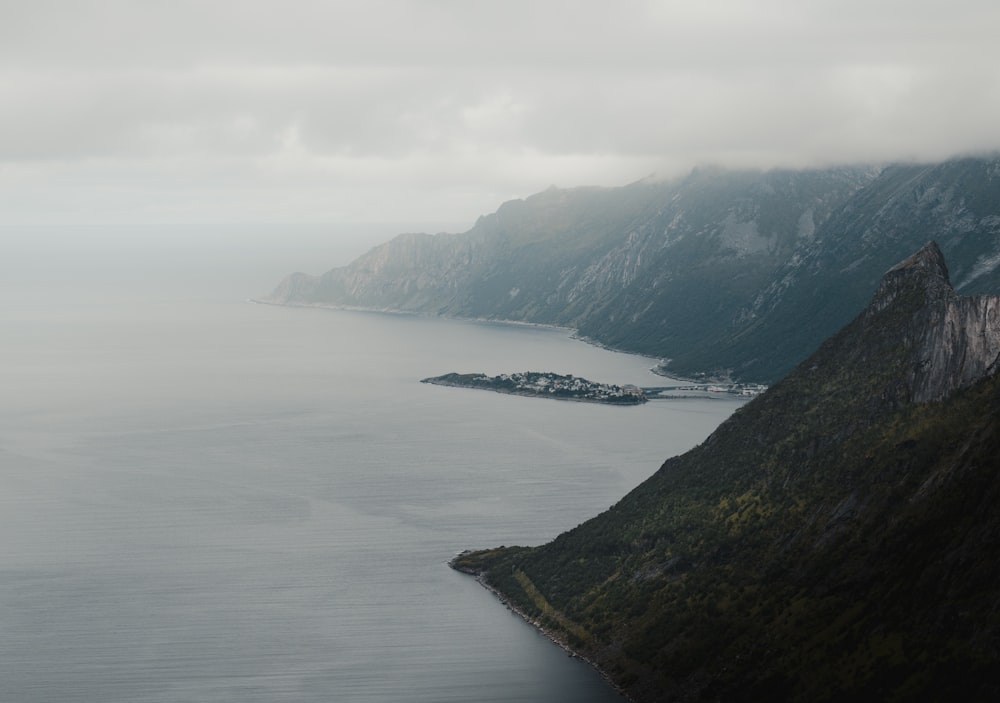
[503,267]
[667,262]
[835,539]
[720,272]
[830,278]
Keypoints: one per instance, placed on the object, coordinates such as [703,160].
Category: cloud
[437,110]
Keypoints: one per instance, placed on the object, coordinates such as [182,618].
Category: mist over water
[205,499]
[174,262]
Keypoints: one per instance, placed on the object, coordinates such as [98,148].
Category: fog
[80,265]
[436,111]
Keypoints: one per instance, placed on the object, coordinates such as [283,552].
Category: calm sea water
[203,499]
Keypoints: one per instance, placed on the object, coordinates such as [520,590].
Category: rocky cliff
[828,280]
[835,539]
[957,342]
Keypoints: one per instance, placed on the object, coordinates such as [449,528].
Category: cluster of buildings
[569,386]
[744,389]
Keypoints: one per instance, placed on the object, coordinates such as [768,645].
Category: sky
[428,113]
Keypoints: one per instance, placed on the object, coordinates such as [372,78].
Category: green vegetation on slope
[830,541]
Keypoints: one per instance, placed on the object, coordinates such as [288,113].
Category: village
[548,385]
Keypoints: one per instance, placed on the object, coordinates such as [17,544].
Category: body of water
[203,499]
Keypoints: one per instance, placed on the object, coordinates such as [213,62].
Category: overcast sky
[436,111]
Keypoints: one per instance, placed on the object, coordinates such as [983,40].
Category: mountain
[835,539]
[829,279]
[720,272]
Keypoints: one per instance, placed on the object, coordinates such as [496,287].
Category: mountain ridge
[720,272]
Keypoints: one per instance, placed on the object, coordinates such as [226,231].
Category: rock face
[958,341]
[831,278]
[835,539]
[722,272]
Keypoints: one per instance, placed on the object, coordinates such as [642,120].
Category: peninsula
[544,385]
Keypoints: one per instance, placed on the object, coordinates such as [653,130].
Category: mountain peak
[923,274]
[928,262]
[946,341]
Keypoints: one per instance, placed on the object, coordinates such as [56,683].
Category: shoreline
[573,333]
[430,315]
[656,369]
[546,633]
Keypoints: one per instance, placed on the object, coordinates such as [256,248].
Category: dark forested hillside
[835,539]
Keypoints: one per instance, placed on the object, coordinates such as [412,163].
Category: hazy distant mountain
[835,539]
[829,279]
[740,272]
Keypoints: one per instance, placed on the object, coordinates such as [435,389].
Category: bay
[203,499]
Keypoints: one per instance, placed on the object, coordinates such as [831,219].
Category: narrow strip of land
[569,387]
[545,385]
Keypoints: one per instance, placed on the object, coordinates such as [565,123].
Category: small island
[545,385]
